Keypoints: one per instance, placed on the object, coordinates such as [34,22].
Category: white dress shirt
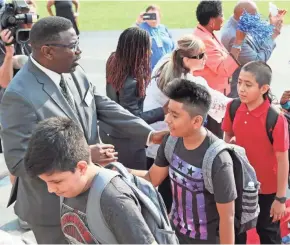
[55,77]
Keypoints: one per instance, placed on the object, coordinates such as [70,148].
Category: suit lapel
[52,91]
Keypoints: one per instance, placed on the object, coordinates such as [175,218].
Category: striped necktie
[64,91]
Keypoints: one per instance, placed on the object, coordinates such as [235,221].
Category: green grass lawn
[118,15]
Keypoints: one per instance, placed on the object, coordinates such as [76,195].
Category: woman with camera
[162,42]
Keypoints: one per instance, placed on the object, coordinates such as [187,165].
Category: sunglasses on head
[197,57]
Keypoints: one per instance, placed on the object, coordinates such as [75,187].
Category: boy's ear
[264,89]
[197,122]
[82,166]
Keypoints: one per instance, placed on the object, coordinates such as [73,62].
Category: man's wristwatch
[281,199]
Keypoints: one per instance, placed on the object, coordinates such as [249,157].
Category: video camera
[13,15]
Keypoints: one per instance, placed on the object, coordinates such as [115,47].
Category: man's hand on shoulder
[103,153]
[156,137]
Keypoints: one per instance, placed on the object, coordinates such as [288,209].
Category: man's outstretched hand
[103,153]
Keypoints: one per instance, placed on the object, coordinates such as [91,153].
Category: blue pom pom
[253,24]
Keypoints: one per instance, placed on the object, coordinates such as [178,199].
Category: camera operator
[6,58]
[14,53]
[12,57]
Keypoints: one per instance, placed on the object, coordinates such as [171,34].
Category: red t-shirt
[249,127]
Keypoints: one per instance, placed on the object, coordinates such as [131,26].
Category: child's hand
[277,210]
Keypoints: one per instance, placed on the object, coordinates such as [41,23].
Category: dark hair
[47,30]
[152,7]
[195,97]
[132,58]
[207,10]
[262,73]
[57,144]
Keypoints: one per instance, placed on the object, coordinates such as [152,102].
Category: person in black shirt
[64,9]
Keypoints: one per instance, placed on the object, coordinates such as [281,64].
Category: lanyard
[158,38]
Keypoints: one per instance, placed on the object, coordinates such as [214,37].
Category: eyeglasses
[197,57]
[73,46]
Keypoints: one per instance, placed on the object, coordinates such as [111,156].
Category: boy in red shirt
[270,161]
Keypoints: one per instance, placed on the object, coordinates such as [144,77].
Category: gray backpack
[152,206]
[246,205]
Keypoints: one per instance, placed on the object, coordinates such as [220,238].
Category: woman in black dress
[64,9]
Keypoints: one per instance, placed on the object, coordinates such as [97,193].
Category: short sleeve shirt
[121,212]
[24,49]
[19,49]
[194,213]
[249,128]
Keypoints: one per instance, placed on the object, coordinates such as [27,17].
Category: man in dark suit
[53,84]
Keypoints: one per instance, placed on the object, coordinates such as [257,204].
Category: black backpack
[271,120]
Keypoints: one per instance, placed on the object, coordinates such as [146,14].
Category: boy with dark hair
[59,155]
[247,126]
[196,215]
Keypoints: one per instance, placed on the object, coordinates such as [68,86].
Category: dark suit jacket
[131,151]
[129,99]
[32,97]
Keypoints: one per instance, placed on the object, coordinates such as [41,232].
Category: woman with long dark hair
[128,75]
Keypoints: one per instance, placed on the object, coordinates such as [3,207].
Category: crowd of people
[167,104]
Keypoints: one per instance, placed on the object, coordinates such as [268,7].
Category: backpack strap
[121,169]
[169,147]
[61,199]
[211,153]
[96,222]
[234,106]
[271,120]
[131,181]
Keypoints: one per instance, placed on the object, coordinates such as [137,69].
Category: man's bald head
[245,5]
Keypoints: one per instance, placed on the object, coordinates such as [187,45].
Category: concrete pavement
[96,47]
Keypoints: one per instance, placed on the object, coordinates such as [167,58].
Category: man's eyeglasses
[73,46]
[197,57]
